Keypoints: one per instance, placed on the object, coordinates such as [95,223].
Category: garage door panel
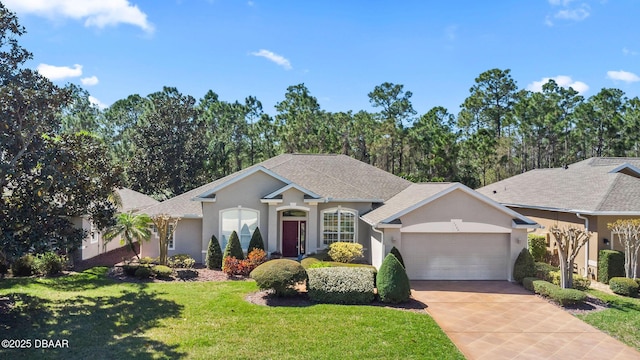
[456,256]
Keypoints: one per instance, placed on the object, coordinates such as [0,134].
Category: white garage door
[456,256]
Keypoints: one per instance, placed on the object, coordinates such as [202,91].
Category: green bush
[624,286]
[527,282]
[49,263]
[23,266]
[143,272]
[579,282]
[309,261]
[319,264]
[544,288]
[255,242]
[610,265]
[544,270]
[537,246]
[281,275]
[162,271]
[398,256]
[3,268]
[130,269]
[147,260]
[183,261]
[214,254]
[392,281]
[341,285]
[345,252]
[187,274]
[566,297]
[233,247]
[524,266]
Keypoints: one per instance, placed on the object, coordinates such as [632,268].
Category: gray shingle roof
[334,177]
[593,185]
[134,201]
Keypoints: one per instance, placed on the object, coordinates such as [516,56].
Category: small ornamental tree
[256,242]
[233,247]
[396,252]
[392,281]
[214,254]
[569,240]
[524,266]
[628,232]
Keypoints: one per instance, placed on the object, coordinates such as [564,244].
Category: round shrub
[392,281]
[49,263]
[566,297]
[143,272]
[148,260]
[309,261]
[214,254]
[183,261]
[398,256]
[524,266]
[527,283]
[130,269]
[23,266]
[255,242]
[233,247]
[544,271]
[162,271]
[544,288]
[281,275]
[537,246]
[187,274]
[624,286]
[345,252]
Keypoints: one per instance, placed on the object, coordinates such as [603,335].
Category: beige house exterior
[588,194]
[304,202]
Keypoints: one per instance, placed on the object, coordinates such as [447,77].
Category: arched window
[339,224]
[242,221]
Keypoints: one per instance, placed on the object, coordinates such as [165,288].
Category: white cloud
[89,81]
[622,75]
[627,51]
[568,11]
[98,13]
[55,73]
[563,81]
[278,59]
[97,103]
[560,2]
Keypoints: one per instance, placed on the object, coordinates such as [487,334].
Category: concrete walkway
[499,320]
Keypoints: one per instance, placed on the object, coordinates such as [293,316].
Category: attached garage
[454,256]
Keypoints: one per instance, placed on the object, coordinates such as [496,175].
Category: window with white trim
[172,239]
[339,224]
[95,234]
[243,221]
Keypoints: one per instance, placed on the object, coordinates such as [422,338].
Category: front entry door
[293,237]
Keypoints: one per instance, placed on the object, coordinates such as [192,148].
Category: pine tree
[392,281]
[214,254]
[396,252]
[233,247]
[256,241]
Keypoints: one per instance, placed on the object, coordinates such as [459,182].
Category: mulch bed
[592,304]
[204,274]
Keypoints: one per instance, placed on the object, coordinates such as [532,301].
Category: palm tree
[132,228]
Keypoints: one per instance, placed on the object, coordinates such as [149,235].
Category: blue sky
[340,49]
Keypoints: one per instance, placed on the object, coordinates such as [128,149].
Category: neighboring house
[589,193]
[302,203]
[93,244]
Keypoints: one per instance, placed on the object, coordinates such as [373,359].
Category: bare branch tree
[166,226]
[569,240]
[628,232]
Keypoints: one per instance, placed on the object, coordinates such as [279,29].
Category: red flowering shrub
[233,266]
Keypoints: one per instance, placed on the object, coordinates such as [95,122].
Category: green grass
[621,320]
[105,319]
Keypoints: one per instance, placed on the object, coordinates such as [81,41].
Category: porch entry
[294,237]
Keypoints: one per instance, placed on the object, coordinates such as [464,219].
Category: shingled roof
[333,177]
[134,201]
[595,185]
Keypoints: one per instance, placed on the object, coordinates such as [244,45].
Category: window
[94,234]
[172,239]
[242,221]
[338,225]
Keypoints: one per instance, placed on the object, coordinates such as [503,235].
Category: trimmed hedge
[610,265]
[398,256]
[537,246]
[309,261]
[281,275]
[544,288]
[24,266]
[392,281]
[143,272]
[187,274]
[544,270]
[214,254]
[255,242]
[233,247]
[345,252]
[130,269]
[183,261]
[162,271]
[341,285]
[527,282]
[579,282]
[561,296]
[524,266]
[624,286]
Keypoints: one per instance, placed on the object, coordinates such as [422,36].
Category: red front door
[291,237]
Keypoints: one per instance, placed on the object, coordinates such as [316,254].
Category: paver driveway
[500,320]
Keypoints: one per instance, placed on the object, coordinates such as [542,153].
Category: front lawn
[621,320]
[106,319]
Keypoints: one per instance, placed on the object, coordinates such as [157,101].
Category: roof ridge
[339,180]
[605,197]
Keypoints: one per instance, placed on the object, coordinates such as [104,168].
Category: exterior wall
[187,241]
[605,233]
[550,218]
[362,233]
[375,243]
[245,193]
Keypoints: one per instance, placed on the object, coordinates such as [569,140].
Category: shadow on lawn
[109,327]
